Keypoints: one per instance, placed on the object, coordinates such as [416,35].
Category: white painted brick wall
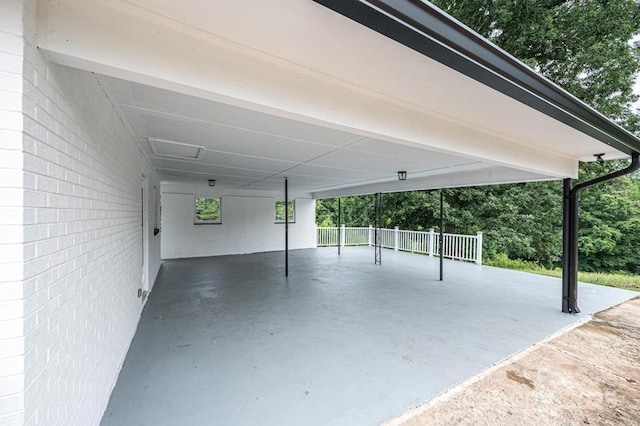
[11,216]
[70,237]
[248,226]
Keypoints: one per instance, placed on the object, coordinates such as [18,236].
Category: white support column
[395,238]
[479,248]
[432,242]
[370,235]
[343,237]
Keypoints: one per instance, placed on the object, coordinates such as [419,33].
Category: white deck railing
[461,247]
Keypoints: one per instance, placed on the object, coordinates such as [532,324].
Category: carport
[229,340]
[115,105]
[248,95]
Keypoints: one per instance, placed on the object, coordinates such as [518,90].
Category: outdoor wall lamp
[212,182]
[402,175]
[599,158]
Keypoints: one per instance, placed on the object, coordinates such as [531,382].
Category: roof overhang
[291,88]
[425,28]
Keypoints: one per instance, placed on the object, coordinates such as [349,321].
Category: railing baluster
[454,246]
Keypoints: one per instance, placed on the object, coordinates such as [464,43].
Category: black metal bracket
[570,233]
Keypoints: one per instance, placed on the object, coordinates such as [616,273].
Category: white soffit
[246,150]
[295,32]
[290,88]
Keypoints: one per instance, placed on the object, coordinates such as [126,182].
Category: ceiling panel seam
[164,21]
[217,123]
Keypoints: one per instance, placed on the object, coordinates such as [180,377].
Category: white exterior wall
[71,235]
[248,226]
[11,216]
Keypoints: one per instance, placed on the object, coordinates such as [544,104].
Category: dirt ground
[587,375]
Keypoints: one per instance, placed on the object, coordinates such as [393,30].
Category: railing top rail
[366,228]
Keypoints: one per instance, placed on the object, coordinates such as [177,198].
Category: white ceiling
[254,151]
[288,88]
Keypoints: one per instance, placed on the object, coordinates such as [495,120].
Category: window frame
[275,211]
[197,221]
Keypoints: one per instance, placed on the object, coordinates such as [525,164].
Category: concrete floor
[588,375]
[228,340]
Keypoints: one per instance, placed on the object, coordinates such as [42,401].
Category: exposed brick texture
[12,346]
[71,240]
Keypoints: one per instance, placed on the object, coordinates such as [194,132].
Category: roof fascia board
[426,29]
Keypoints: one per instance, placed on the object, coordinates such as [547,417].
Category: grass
[619,280]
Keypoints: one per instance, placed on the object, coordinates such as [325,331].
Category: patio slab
[586,375]
[230,340]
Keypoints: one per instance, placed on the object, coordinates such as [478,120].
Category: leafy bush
[501,260]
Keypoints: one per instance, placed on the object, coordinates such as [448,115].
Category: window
[280,212]
[208,210]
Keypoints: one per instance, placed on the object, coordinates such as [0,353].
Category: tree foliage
[583,45]
[207,209]
[280,214]
[609,223]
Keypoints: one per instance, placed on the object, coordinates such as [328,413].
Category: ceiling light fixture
[402,175]
[212,182]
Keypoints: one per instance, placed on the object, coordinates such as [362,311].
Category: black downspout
[567,242]
[570,233]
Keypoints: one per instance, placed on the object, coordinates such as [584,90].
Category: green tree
[409,210]
[523,221]
[207,209]
[280,208]
[609,223]
[327,212]
[583,45]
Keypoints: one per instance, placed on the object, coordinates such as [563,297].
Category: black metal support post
[441,236]
[569,259]
[570,233]
[286,227]
[339,225]
[378,232]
